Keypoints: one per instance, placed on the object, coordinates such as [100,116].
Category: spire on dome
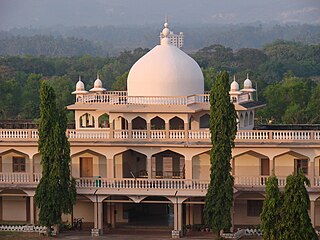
[247,75]
[79,87]
[234,87]
[165,32]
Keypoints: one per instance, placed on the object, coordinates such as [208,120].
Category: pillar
[272,166]
[177,210]
[191,214]
[149,167]
[31,169]
[95,215]
[311,175]
[186,128]
[148,130]
[32,220]
[113,220]
[129,130]
[110,168]
[111,129]
[167,125]
[100,217]
[187,214]
[312,212]
[188,169]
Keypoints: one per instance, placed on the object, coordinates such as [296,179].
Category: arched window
[157,123]
[176,123]
[251,120]
[246,119]
[120,123]
[86,120]
[241,121]
[204,121]
[139,123]
[104,121]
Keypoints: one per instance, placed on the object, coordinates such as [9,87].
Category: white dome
[97,86]
[247,84]
[234,86]
[165,71]
[79,87]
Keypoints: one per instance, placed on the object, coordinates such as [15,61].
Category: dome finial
[97,75]
[247,75]
[234,78]
[165,33]
[80,78]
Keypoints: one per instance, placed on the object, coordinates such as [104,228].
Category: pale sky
[43,13]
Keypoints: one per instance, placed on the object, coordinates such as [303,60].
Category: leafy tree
[56,192]
[223,127]
[270,216]
[295,220]
[209,75]
[121,82]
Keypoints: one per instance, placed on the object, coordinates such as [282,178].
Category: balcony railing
[165,135]
[145,183]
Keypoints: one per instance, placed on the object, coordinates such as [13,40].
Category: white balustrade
[14,177]
[129,183]
[252,135]
[256,180]
[121,134]
[157,134]
[85,134]
[176,134]
[139,134]
[291,135]
[199,135]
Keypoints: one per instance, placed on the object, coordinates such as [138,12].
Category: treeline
[110,40]
[286,74]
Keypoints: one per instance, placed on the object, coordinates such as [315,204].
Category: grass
[21,236]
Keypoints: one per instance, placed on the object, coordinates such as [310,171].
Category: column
[100,217]
[311,175]
[272,166]
[129,130]
[180,225]
[95,215]
[191,214]
[32,210]
[186,127]
[188,169]
[31,169]
[149,167]
[177,210]
[187,214]
[113,220]
[312,212]
[110,168]
[167,125]
[111,129]
[148,130]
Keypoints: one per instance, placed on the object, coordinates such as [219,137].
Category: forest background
[283,61]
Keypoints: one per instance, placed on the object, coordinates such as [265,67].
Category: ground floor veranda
[105,212]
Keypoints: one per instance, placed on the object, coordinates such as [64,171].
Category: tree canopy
[223,127]
[56,192]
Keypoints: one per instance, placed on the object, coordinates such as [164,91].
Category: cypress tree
[56,192]
[270,216]
[223,127]
[295,220]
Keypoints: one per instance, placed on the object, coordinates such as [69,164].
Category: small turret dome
[247,83]
[97,86]
[80,87]
[234,86]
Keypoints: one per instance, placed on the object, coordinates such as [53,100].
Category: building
[141,157]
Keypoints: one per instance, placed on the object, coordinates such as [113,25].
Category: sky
[46,13]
